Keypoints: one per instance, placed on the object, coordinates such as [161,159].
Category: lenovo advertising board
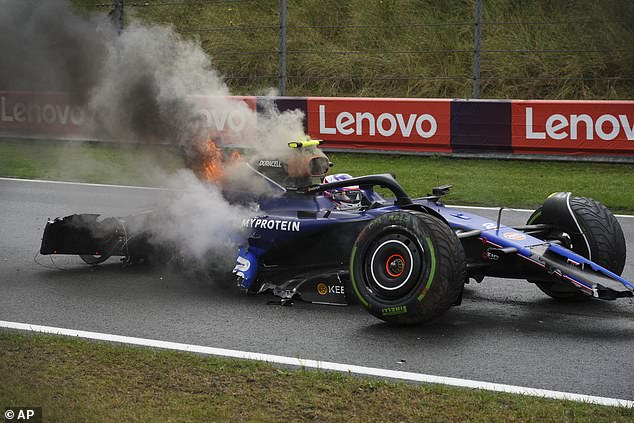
[228,121]
[381,124]
[44,115]
[53,115]
[604,128]
[484,127]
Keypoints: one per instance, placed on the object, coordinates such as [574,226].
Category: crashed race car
[406,260]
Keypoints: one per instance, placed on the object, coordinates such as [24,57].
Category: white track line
[168,189]
[515,210]
[44,181]
[323,365]
[490,208]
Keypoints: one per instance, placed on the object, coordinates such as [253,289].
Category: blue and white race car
[406,260]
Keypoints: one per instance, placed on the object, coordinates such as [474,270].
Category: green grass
[386,48]
[75,380]
[509,183]
[86,162]
[476,182]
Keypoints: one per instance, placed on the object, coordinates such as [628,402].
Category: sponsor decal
[224,113]
[230,121]
[322,288]
[514,236]
[272,224]
[227,120]
[246,267]
[242,266]
[393,311]
[38,113]
[606,127]
[573,127]
[408,124]
[487,255]
[385,124]
[394,218]
[269,163]
[336,289]
[222,120]
[46,114]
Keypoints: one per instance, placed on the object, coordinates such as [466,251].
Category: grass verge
[509,183]
[114,163]
[410,48]
[476,182]
[79,380]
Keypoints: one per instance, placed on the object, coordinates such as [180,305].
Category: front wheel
[407,267]
[586,227]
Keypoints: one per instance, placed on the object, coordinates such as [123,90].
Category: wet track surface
[505,331]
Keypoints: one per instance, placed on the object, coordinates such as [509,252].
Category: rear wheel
[107,247]
[94,259]
[597,236]
[407,267]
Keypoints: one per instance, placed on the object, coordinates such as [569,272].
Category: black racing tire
[94,259]
[108,246]
[407,267]
[605,243]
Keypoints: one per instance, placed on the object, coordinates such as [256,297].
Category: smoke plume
[143,85]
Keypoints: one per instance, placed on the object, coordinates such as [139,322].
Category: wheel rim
[393,264]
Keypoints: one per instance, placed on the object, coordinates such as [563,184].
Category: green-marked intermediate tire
[407,267]
[598,237]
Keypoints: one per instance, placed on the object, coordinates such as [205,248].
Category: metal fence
[483,48]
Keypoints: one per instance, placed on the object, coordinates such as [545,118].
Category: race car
[406,260]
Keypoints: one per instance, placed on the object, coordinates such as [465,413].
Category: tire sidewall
[408,225]
[612,260]
[602,258]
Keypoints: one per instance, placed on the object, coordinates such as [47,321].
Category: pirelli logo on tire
[394,311]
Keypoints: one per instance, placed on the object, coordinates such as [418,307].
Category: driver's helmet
[345,197]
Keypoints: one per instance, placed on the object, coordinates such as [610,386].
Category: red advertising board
[600,128]
[573,127]
[54,115]
[381,124]
[44,114]
[229,121]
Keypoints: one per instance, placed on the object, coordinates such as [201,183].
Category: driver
[346,197]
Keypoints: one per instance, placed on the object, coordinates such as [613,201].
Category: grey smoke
[197,223]
[139,84]
[136,83]
[44,46]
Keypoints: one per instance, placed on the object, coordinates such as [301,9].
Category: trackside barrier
[44,115]
[503,128]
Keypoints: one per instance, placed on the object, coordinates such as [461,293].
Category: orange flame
[213,161]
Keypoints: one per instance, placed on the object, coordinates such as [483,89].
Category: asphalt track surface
[505,331]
